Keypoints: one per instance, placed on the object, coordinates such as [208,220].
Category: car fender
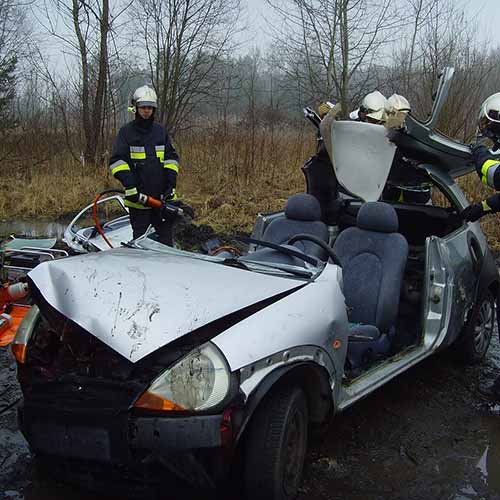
[302,373]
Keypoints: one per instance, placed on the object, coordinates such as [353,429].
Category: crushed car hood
[137,301]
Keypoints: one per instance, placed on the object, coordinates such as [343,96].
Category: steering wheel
[319,242]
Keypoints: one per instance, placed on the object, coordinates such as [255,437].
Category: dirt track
[426,435]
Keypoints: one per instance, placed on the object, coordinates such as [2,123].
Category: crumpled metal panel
[362,156]
[137,301]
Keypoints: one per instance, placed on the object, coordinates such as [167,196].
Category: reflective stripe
[138,156]
[137,153]
[172,165]
[488,170]
[401,197]
[160,153]
[118,166]
[131,191]
[131,204]
[486,207]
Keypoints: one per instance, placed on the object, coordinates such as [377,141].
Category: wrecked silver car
[214,366]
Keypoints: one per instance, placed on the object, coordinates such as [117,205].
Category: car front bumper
[125,439]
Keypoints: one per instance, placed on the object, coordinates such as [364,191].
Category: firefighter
[488,169]
[376,109]
[371,110]
[397,109]
[145,162]
[486,161]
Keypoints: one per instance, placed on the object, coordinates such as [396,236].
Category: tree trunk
[87,127]
[98,109]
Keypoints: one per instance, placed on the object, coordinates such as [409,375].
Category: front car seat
[302,215]
[373,257]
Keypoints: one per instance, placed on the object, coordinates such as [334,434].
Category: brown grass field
[228,180]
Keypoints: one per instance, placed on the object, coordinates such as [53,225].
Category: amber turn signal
[19,351]
[150,401]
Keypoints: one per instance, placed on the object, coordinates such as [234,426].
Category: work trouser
[142,219]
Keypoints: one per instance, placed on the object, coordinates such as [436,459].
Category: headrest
[378,216]
[303,206]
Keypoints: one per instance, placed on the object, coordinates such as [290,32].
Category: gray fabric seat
[302,215]
[373,257]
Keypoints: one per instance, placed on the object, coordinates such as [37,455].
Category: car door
[453,264]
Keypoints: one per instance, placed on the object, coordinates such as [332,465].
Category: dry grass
[228,179]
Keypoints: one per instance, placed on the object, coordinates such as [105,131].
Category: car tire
[276,445]
[478,331]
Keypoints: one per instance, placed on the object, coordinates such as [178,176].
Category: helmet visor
[377,115]
[493,115]
[145,104]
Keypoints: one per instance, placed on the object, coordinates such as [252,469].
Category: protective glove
[474,212]
[480,144]
[187,209]
[132,195]
[477,147]
[323,109]
[169,195]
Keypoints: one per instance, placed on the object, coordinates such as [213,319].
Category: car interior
[381,246]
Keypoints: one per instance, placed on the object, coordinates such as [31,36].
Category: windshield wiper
[234,262]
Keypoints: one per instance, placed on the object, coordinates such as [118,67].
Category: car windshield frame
[308,273]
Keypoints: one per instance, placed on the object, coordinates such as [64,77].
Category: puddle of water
[489,463]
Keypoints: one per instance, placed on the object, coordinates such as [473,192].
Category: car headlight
[199,381]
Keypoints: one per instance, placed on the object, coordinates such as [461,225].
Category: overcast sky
[487,11]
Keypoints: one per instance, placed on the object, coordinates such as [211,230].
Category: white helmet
[489,116]
[397,108]
[373,107]
[397,103]
[145,96]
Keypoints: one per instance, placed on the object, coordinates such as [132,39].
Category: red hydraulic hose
[94,213]
[146,200]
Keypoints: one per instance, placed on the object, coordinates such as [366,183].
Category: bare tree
[329,46]
[84,27]
[184,40]
[442,34]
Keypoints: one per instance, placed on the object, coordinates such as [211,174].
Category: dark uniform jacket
[420,194]
[144,160]
[488,169]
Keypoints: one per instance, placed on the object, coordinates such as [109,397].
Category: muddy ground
[426,435]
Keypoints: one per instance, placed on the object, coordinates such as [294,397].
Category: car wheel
[276,445]
[478,331]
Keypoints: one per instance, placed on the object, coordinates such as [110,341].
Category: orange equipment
[11,315]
